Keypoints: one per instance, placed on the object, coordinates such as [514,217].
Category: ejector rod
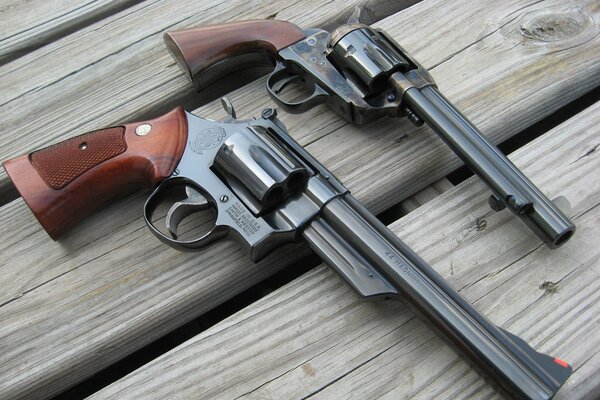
[510,187]
[348,236]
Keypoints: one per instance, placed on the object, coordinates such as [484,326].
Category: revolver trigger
[195,201]
[283,82]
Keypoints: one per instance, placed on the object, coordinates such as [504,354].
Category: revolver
[363,75]
[250,180]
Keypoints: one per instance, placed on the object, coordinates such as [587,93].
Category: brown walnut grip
[211,53]
[65,182]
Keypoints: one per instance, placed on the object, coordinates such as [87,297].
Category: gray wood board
[314,338]
[422,197]
[25,25]
[73,307]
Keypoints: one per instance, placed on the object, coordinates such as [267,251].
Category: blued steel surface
[267,190]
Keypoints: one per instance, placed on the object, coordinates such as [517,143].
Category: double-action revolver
[250,180]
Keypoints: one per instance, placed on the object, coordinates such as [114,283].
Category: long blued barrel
[377,264]
[509,186]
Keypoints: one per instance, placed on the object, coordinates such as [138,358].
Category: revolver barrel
[369,58]
[378,264]
[509,186]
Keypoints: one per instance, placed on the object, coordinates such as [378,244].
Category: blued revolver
[265,190]
[364,75]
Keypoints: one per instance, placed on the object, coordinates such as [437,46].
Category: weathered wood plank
[118,69]
[315,338]
[109,288]
[49,92]
[423,196]
[25,25]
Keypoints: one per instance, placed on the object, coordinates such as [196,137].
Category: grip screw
[143,129]
[224,198]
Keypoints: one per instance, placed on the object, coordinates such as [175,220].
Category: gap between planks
[25,27]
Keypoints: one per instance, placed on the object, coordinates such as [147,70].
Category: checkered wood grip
[60,164]
[66,182]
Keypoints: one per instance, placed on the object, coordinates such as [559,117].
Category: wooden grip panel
[229,47]
[66,182]
[60,164]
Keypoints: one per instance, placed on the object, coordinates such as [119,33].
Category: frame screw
[224,198]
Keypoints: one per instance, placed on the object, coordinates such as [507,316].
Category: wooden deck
[71,308]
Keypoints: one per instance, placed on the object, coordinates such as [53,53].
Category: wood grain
[225,48]
[25,26]
[66,182]
[109,288]
[314,338]
[424,196]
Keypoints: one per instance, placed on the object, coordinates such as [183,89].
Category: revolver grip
[211,53]
[67,181]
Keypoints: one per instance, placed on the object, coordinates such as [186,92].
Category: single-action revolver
[264,189]
[364,75]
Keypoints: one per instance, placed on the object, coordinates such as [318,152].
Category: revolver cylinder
[362,52]
[258,170]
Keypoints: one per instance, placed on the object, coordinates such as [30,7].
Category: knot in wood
[555,27]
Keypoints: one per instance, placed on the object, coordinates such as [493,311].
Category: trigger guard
[217,232]
[181,209]
[276,84]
